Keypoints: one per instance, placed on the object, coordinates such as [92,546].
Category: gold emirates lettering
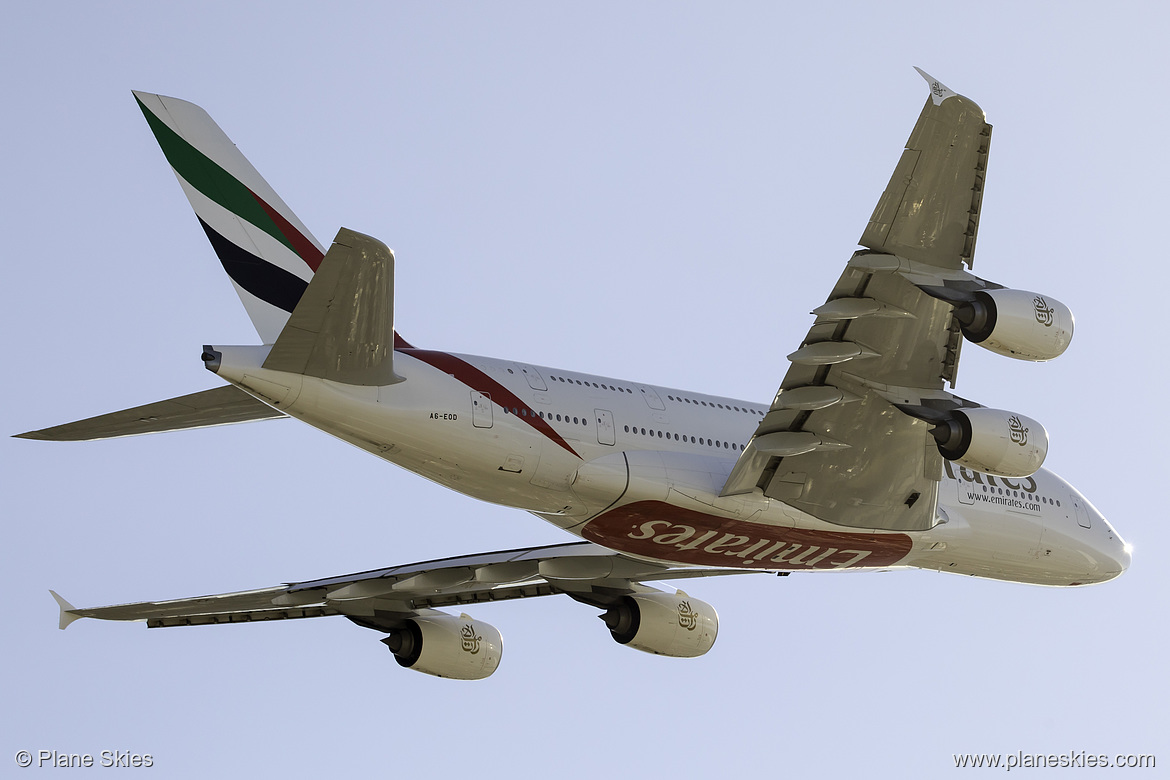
[470,640]
[1044,312]
[764,550]
[1017,431]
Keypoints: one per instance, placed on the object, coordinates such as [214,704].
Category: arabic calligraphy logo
[938,89]
[1043,311]
[1017,431]
[470,639]
[687,618]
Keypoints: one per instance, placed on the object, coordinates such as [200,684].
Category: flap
[833,443]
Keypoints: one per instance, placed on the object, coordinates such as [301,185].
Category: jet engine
[992,441]
[1016,323]
[447,646]
[664,624]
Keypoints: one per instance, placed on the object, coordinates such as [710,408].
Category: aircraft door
[652,398]
[1083,519]
[605,427]
[481,409]
[535,380]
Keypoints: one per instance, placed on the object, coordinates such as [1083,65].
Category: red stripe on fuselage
[478,380]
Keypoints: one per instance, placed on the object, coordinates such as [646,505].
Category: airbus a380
[863,459]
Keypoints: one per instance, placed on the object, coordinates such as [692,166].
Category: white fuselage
[639,468]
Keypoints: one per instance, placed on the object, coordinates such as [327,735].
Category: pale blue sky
[659,192]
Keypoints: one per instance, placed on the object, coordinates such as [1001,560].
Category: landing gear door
[481,409]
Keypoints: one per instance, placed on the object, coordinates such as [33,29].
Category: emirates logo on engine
[687,617]
[1017,431]
[470,639]
[1044,312]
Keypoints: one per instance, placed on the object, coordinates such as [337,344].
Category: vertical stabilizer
[267,252]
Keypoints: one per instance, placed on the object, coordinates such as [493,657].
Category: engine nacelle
[447,646]
[664,624]
[1017,324]
[993,441]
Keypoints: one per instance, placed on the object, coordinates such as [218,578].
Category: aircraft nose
[1123,555]
[1118,552]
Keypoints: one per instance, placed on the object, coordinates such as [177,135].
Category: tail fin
[267,252]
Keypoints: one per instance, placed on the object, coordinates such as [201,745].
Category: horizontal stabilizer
[220,406]
[343,327]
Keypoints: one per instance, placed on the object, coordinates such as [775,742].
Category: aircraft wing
[929,211]
[836,442]
[219,406]
[383,598]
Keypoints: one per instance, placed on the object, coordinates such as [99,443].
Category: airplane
[863,460]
